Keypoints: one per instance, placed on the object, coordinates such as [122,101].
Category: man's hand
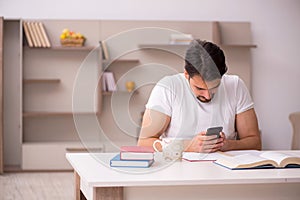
[206,144]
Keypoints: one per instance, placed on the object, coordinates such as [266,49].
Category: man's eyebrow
[199,88]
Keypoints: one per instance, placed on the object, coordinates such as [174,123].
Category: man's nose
[205,93]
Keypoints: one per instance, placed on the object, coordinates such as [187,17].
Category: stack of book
[133,156]
[180,38]
[108,82]
[36,35]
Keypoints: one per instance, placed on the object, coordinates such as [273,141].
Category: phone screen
[214,131]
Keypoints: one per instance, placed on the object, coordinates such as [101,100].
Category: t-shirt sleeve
[243,97]
[161,97]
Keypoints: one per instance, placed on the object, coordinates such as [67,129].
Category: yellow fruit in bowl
[79,36]
[67,34]
[71,38]
[62,36]
[65,31]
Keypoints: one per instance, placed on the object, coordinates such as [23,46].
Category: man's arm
[247,129]
[153,126]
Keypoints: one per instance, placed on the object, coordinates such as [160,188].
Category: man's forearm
[253,143]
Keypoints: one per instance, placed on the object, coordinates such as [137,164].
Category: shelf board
[239,45]
[163,45]
[41,80]
[62,48]
[45,114]
[186,45]
[121,60]
[78,149]
[84,48]
[12,168]
[69,146]
[105,93]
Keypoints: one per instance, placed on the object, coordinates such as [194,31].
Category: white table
[179,180]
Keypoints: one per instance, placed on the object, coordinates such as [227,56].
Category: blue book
[116,161]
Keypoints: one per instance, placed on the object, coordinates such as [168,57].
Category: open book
[268,159]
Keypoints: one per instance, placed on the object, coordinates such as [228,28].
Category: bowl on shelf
[72,42]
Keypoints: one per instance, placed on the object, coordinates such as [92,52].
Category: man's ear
[186,74]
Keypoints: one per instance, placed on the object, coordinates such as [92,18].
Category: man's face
[204,91]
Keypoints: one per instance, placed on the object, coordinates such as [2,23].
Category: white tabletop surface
[95,171]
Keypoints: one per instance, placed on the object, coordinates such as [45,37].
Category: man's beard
[205,100]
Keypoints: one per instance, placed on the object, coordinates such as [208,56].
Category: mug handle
[154,143]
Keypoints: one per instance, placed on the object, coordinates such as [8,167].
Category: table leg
[77,186]
[109,193]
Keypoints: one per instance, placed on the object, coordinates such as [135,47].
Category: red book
[136,153]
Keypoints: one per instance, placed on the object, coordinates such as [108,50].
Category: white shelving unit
[39,82]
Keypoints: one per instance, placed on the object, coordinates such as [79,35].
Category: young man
[187,104]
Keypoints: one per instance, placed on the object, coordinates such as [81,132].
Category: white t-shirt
[173,96]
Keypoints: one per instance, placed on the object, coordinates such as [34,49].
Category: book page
[242,152]
[248,159]
[244,161]
[276,156]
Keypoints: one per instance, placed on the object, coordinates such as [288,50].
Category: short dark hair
[205,59]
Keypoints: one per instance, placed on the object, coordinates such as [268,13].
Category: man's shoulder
[178,76]
[172,79]
[230,79]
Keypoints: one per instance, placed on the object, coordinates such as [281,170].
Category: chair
[295,121]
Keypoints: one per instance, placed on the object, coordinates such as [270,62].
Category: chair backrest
[295,121]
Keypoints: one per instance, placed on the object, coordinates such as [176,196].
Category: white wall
[275,27]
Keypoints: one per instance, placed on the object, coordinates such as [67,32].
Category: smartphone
[214,131]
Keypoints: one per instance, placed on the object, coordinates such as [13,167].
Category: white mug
[172,148]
